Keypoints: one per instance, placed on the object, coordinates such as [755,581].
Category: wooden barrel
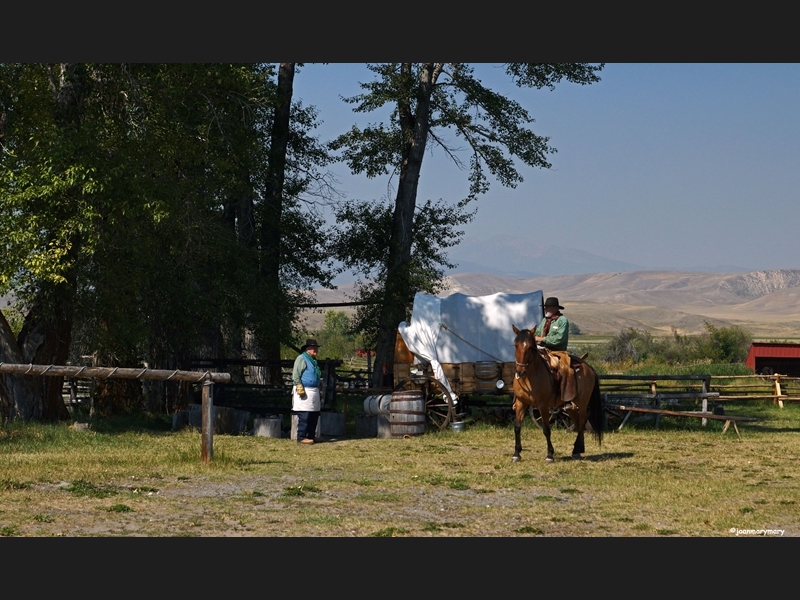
[486,375]
[407,413]
[487,370]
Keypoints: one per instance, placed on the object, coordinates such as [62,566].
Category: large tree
[131,208]
[430,101]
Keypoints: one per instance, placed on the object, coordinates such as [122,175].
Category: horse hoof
[576,456]
[515,459]
[549,459]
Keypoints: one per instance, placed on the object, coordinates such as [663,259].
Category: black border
[369,32]
[376,567]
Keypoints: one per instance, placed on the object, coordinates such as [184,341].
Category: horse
[535,385]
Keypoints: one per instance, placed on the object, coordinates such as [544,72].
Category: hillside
[765,302]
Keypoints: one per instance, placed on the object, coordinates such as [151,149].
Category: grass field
[138,478]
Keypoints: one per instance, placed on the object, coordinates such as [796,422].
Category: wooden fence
[657,395]
[723,388]
[207,378]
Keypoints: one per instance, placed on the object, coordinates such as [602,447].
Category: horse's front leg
[545,415]
[519,414]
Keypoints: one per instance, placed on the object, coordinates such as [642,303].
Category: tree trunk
[270,339]
[415,128]
[47,333]
[18,393]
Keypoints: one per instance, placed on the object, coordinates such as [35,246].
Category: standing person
[306,403]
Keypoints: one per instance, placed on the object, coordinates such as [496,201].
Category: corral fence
[721,388]
[206,378]
[697,395]
[659,391]
[255,388]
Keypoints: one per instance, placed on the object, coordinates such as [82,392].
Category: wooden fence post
[207,434]
[706,387]
[778,392]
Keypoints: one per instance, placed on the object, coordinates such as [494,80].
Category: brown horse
[535,385]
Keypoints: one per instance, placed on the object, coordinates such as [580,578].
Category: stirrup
[565,407]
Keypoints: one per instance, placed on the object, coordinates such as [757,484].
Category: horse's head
[524,349]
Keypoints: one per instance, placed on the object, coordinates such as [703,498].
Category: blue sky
[665,165]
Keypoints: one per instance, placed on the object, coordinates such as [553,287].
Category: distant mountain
[767,303]
[511,256]
[764,302]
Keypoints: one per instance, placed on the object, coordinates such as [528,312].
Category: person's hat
[309,342]
[551,301]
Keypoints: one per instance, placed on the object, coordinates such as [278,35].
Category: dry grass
[679,480]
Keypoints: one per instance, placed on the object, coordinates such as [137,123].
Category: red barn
[772,357]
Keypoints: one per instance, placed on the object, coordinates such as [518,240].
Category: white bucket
[377,405]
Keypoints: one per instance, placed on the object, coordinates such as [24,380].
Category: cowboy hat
[551,301]
[309,342]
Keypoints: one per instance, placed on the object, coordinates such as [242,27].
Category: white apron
[310,403]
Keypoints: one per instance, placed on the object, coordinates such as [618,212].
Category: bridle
[520,372]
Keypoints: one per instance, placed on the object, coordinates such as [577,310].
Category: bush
[725,344]
[638,350]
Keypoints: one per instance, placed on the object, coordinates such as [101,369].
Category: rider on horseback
[552,336]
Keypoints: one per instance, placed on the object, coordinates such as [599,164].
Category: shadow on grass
[606,456]
[146,423]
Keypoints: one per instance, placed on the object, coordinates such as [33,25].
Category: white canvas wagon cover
[460,328]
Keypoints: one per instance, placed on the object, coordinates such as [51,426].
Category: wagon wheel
[439,410]
[558,421]
[612,418]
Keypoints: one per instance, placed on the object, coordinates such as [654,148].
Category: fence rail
[723,388]
[114,373]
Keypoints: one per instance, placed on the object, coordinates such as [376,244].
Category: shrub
[636,350]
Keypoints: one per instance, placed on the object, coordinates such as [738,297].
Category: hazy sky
[664,165]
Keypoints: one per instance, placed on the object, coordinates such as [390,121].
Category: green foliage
[135,194]
[360,241]
[336,336]
[495,128]
[726,344]
[717,351]
[86,488]
[15,320]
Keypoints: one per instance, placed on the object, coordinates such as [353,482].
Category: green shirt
[558,336]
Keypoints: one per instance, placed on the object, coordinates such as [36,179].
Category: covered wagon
[459,346]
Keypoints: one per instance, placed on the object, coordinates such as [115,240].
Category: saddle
[564,366]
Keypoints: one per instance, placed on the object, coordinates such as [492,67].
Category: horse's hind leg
[579,418]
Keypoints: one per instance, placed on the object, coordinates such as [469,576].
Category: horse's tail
[596,410]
